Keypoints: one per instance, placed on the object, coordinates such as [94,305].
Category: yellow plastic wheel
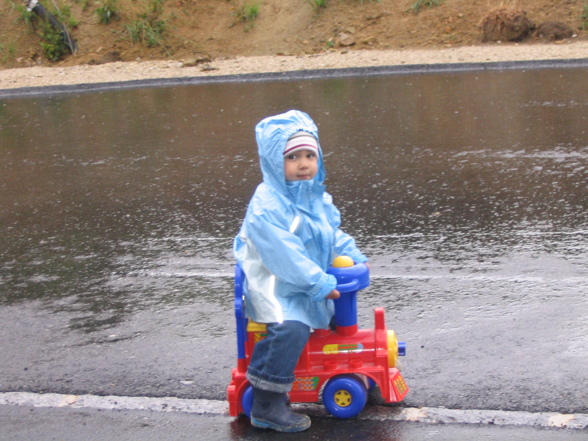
[342,398]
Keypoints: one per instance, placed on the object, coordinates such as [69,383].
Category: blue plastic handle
[348,287]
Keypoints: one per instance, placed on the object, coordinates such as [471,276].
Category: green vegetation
[24,15]
[53,44]
[108,11]
[63,14]
[150,27]
[246,13]
[155,7]
[7,51]
[584,24]
[317,5]
[418,4]
[147,31]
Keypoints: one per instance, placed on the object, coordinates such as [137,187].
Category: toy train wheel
[344,397]
[247,400]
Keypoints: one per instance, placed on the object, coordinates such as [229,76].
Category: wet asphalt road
[483,273]
[26,424]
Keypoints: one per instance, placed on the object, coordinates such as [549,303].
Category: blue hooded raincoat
[290,235]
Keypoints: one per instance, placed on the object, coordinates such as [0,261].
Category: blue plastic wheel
[344,397]
[247,401]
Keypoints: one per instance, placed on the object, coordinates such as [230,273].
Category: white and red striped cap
[300,141]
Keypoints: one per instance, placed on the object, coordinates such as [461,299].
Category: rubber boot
[270,411]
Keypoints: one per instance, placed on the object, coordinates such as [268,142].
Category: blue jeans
[275,357]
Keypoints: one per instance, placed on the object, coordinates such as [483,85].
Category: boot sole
[260,423]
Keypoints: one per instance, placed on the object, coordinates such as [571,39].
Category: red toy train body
[337,367]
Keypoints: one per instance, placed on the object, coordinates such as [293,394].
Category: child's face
[301,165]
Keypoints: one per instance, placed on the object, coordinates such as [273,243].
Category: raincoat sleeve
[344,244]
[285,256]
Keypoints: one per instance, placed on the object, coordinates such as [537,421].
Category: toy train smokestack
[351,278]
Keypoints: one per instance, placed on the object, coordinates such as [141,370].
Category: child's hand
[334,294]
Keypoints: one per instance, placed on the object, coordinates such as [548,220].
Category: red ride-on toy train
[337,367]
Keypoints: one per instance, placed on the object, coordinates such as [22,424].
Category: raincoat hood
[272,134]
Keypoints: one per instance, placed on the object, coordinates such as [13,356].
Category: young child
[289,237]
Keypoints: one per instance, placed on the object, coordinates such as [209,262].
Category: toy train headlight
[395,349]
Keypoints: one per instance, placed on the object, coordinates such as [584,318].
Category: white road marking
[428,415]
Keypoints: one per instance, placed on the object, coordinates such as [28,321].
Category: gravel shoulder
[142,70]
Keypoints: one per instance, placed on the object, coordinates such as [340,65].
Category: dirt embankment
[210,28]
[206,37]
